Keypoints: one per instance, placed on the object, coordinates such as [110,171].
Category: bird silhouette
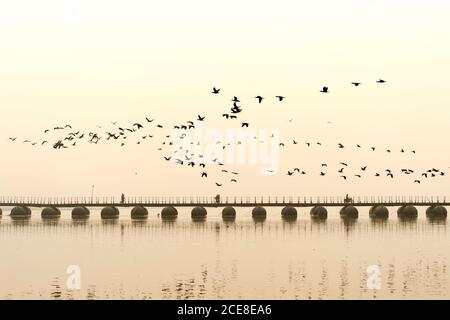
[235,99]
[280,98]
[244,124]
[200,118]
[260,99]
[218,184]
[381,81]
[215,91]
[324,90]
[356,83]
[417,181]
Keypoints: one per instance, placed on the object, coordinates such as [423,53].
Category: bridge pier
[110,213]
[436,212]
[229,213]
[349,211]
[20,212]
[169,213]
[259,214]
[139,212]
[1,212]
[318,212]
[379,212]
[289,213]
[50,213]
[80,213]
[407,212]
[198,214]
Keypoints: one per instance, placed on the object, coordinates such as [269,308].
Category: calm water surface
[214,259]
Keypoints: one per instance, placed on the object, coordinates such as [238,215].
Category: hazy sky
[88,63]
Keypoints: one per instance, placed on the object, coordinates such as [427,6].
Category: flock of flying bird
[184,155]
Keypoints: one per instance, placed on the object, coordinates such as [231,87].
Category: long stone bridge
[20,206]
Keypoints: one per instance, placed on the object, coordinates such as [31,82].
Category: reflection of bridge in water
[110,207]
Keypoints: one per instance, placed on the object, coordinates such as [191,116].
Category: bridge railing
[231,200]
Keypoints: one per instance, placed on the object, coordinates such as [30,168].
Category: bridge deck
[364,201]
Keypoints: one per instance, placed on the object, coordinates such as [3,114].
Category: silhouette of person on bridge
[122,198]
[217,198]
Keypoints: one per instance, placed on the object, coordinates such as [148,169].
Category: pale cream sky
[92,62]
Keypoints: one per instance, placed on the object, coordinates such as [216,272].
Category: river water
[215,259]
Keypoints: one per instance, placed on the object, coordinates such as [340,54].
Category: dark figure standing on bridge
[217,198]
[122,198]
